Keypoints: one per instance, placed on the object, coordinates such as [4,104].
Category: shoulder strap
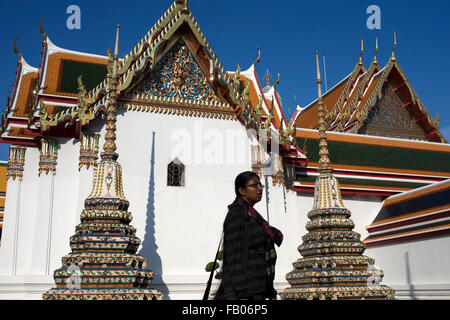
[208,285]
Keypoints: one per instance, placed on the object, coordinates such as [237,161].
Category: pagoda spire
[332,266]
[324,160]
[104,263]
[111,111]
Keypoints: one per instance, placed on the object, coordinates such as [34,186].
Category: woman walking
[248,249]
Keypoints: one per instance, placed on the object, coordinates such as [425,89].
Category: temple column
[11,222]
[44,218]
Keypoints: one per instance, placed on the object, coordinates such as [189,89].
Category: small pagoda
[103,264]
[333,266]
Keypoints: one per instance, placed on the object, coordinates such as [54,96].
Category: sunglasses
[256,185]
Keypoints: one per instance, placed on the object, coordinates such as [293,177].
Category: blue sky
[287,32]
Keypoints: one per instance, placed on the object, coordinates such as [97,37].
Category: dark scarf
[272,233]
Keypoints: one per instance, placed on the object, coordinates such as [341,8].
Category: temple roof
[419,213]
[352,104]
[176,22]
[373,164]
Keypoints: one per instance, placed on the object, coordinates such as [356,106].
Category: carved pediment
[178,78]
[390,118]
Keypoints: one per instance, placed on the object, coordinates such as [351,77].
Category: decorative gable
[177,77]
[390,118]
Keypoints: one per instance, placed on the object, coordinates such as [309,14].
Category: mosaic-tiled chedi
[103,263]
[333,265]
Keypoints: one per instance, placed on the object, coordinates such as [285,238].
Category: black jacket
[244,270]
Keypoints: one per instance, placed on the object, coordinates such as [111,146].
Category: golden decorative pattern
[16,162]
[49,156]
[88,150]
[177,76]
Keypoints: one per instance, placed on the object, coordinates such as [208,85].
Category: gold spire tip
[361,53]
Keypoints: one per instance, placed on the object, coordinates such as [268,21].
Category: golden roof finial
[183,4]
[258,58]
[395,46]
[41,30]
[376,51]
[17,51]
[361,53]
[268,78]
[278,80]
[324,161]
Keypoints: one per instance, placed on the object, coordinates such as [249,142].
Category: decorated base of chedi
[333,266]
[103,263]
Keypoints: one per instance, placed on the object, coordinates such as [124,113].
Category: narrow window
[175,173]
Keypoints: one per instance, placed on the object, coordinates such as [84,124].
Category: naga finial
[41,30]
[395,46]
[376,51]
[17,51]
[278,80]
[258,58]
[361,53]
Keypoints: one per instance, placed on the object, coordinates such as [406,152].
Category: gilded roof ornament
[268,78]
[17,51]
[8,101]
[268,120]
[258,58]
[360,62]
[376,51]
[278,80]
[238,97]
[41,30]
[183,5]
[395,46]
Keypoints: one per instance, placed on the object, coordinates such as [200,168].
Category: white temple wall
[29,198]
[415,269]
[43,226]
[65,202]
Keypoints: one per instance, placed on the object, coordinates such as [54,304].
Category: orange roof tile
[24,96]
[309,118]
[54,70]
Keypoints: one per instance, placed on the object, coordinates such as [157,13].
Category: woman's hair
[242,179]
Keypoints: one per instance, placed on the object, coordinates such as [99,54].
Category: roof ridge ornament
[258,58]
[361,53]
[17,51]
[277,81]
[183,5]
[268,78]
[395,46]
[376,51]
[41,30]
